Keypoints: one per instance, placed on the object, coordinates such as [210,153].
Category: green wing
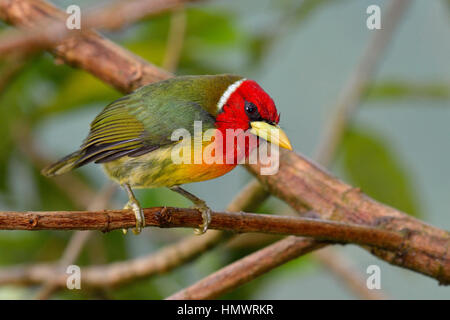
[144,120]
[116,132]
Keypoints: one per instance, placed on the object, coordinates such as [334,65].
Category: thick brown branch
[168,217]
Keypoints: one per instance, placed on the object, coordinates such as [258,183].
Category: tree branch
[300,183]
[77,241]
[248,268]
[346,272]
[175,39]
[120,273]
[350,97]
[169,217]
[88,50]
[112,16]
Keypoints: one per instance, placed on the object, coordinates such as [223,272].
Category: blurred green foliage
[387,90]
[370,164]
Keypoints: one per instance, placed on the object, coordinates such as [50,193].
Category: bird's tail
[64,165]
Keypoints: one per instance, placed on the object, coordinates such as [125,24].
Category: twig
[76,189]
[355,89]
[90,51]
[175,39]
[108,17]
[77,241]
[343,110]
[118,273]
[346,272]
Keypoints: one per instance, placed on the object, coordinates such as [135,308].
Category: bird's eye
[250,108]
[252,111]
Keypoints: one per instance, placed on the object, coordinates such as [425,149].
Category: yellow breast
[158,168]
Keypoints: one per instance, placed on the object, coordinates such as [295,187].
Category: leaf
[215,28]
[371,165]
[149,49]
[407,90]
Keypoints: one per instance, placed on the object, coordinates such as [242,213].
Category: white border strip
[232,88]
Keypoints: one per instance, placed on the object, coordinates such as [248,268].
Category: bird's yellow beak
[271,133]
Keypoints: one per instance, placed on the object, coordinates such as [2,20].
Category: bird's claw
[200,205]
[139,214]
[206,216]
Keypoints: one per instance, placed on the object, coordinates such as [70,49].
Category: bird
[132,137]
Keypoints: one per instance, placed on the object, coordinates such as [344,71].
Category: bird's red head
[246,106]
[244,102]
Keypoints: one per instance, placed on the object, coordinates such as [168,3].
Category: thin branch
[89,51]
[76,189]
[166,259]
[168,217]
[175,39]
[248,268]
[343,111]
[356,87]
[345,271]
[107,17]
[119,273]
[77,241]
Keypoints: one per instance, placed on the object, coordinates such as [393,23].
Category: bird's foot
[206,216]
[139,214]
[200,205]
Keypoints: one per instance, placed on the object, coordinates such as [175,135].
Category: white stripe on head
[232,88]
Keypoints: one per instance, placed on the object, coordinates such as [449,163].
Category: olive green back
[145,119]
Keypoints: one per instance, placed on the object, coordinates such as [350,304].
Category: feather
[145,120]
